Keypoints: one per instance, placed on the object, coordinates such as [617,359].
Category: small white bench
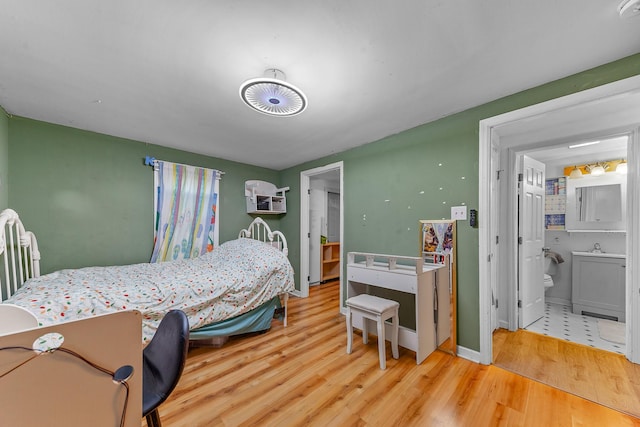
[379,310]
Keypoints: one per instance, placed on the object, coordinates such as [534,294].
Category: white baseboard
[471,355]
[503,324]
[555,300]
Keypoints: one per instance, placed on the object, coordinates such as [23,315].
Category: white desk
[411,275]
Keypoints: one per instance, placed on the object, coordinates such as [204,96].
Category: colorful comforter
[235,278]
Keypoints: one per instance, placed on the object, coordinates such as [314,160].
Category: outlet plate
[459,213]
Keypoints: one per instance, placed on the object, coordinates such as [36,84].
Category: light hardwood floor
[601,376]
[301,376]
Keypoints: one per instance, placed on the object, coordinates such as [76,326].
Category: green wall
[4,160]
[89,197]
[432,158]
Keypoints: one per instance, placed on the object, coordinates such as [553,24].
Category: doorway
[324,226]
[557,317]
[321,222]
[614,109]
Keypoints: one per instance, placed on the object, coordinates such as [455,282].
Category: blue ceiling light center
[272,95]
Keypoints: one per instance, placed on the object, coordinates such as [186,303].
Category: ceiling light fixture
[629,8]
[272,95]
[584,144]
[575,173]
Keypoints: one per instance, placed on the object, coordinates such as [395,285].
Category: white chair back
[14,319]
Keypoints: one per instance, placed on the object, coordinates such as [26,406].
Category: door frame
[305,185]
[500,131]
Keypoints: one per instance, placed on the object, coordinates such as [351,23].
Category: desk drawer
[384,279]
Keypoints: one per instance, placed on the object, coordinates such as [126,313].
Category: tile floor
[560,322]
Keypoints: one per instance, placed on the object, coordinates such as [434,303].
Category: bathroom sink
[599,254]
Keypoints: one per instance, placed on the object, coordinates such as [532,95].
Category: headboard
[260,230]
[19,255]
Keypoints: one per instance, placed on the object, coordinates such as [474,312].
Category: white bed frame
[20,258]
[260,230]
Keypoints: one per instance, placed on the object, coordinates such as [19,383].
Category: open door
[331,177]
[316,218]
[531,241]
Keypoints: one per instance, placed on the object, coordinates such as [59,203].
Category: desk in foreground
[57,388]
[430,283]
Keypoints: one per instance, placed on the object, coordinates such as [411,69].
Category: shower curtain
[186,206]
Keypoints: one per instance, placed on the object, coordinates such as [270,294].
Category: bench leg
[394,336]
[382,350]
[349,331]
[365,330]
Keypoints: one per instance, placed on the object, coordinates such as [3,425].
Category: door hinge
[520,177]
[308,278]
[497,239]
[309,235]
[519,240]
[496,303]
[498,174]
[308,191]
[519,303]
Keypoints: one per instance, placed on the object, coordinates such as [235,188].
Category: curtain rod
[152,161]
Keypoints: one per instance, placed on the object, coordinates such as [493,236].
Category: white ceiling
[168,72]
[604,150]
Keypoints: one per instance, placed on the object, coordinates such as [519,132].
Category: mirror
[596,203]
[601,203]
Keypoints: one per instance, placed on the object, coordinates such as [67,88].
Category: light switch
[459,213]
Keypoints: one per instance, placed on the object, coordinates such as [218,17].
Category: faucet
[596,248]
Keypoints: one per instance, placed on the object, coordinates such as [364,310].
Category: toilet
[550,267]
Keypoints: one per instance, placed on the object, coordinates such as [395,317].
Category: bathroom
[577,246]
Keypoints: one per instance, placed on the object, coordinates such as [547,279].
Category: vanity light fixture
[273,96]
[597,169]
[575,173]
[622,167]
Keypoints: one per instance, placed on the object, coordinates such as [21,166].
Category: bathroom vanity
[598,285]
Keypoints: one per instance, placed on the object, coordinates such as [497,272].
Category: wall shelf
[265,198]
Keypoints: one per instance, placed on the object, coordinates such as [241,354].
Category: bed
[234,289]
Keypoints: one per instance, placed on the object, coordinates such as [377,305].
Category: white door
[531,242]
[333,217]
[316,214]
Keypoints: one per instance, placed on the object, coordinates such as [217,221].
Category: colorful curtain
[186,206]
